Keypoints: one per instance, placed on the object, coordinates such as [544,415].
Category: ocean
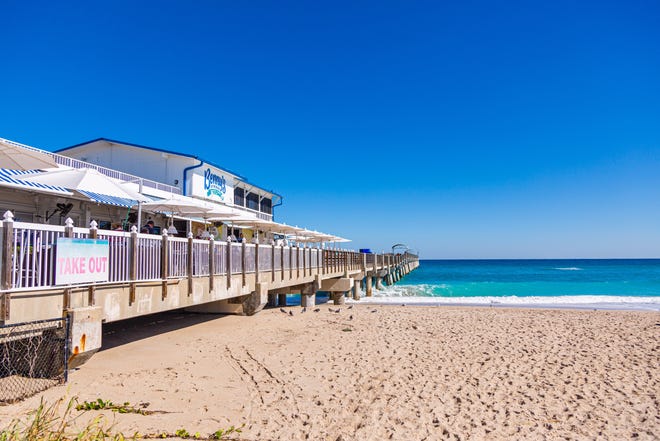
[576,283]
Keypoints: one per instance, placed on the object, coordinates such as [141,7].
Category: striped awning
[12,179]
[107,199]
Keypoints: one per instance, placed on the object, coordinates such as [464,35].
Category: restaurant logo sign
[214,184]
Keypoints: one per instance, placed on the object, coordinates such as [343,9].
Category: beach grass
[49,423]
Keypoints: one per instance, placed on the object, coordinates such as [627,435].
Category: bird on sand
[317,309]
[291,313]
[304,309]
[283,310]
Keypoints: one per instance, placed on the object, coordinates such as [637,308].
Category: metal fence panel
[33,252]
[118,265]
[250,265]
[178,257]
[148,257]
[200,257]
[236,263]
[278,258]
[32,358]
[287,258]
[220,258]
[265,258]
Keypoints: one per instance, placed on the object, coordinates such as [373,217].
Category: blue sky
[468,130]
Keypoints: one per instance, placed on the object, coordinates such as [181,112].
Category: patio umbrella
[189,207]
[16,156]
[90,183]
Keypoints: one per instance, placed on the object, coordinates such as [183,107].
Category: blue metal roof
[242,178]
[11,178]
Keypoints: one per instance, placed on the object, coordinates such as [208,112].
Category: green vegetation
[100,404]
[47,423]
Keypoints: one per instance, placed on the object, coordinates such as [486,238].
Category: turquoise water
[616,282]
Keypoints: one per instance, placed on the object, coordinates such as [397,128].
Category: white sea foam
[570,268]
[409,294]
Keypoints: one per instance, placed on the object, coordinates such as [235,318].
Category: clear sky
[465,130]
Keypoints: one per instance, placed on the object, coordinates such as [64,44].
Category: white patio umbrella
[189,207]
[90,183]
[16,156]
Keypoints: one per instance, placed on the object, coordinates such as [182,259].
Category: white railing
[259,214]
[200,250]
[148,257]
[220,257]
[76,163]
[249,258]
[118,244]
[177,253]
[236,258]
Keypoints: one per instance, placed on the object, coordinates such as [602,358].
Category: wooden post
[256,263]
[290,262]
[228,263]
[211,262]
[5,275]
[272,262]
[190,263]
[297,261]
[132,264]
[304,253]
[282,260]
[243,260]
[164,263]
[91,290]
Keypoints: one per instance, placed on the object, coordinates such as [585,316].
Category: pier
[150,273]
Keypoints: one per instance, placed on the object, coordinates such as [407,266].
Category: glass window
[239,197]
[266,206]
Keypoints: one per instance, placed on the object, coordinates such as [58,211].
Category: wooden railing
[28,253]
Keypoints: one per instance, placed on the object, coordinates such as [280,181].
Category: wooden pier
[154,273]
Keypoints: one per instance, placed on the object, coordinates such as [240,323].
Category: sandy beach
[376,372]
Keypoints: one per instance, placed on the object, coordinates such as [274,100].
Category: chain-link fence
[32,357]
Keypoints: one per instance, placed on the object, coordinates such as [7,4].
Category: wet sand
[377,372]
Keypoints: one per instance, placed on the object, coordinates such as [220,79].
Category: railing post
[5,276]
[243,260]
[256,263]
[164,262]
[290,262]
[304,254]
[132,264]
[272,261]
[211,262]
[91,290]
[297,261]
[190,263]
[282,260]
[228,263]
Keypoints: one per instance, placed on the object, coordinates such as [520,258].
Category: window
[239,197]
[253,201]
[266,206]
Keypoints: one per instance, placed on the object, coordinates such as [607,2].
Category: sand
[381,372]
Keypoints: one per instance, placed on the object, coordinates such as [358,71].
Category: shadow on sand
[135,329]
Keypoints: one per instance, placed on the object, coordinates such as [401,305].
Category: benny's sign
[214,184]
